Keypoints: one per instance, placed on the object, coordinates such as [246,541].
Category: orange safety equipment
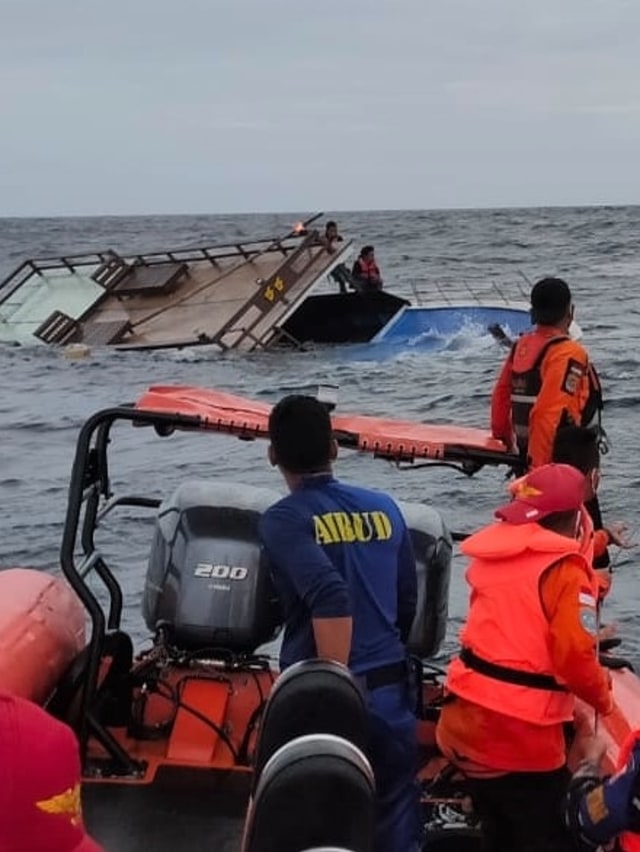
[368,269]
[505,663]
[573,393]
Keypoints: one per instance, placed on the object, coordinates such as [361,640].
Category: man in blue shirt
[344,569]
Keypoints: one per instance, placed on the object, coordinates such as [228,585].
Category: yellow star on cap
[64,804]
[526,490]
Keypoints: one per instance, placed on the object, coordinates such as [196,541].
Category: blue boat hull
[441,323]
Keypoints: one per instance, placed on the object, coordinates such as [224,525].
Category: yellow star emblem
[525,490]
[64,804]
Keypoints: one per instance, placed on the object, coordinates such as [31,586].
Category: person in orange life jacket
[345,573]
[528,647]
[365,272]
[579,446]
[40,803]
[605,812]
[547,381]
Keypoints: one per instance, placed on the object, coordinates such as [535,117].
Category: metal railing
[212,254]
[479,293]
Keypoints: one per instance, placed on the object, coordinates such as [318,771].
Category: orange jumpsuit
[565,390]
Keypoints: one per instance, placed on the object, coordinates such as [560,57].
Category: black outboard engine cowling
[432,545]
[208,581]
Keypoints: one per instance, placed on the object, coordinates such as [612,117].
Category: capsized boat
[248,295]
[286,290]
[169,731]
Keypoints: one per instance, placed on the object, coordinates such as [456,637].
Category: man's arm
[570,607]
[563,393]
[501,426]
[333,638]
[288,538]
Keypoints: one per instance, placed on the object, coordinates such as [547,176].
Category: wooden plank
[270,292]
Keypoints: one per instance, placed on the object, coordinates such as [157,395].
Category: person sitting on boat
[40,806]
[344,568]
[528,647]
[547,381]
[331,236]
[365,272]
[600,812]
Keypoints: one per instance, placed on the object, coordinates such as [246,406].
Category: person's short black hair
[577,446]
[300,432]
[558,521]
[550,300]
[330,224]
[366,250]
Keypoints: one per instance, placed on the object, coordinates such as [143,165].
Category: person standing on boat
[529,645]
[40,807]
[365,272]
[344,569]
[547,381]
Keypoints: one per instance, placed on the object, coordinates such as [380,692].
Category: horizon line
[333,210]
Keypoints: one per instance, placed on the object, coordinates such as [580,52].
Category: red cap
[39,782]
[545,490]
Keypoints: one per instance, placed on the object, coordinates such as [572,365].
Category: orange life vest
[526,383]
[505,664]
[368,269]
[630,842]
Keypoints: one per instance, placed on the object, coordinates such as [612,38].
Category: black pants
[523,811]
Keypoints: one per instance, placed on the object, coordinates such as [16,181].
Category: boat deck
[236,296]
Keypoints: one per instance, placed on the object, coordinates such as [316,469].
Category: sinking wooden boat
[246,295]
[250,295]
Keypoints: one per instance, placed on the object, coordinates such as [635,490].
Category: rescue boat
[194,739]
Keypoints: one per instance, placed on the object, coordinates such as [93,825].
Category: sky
[214,106]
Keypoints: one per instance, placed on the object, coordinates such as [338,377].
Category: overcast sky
[205,106]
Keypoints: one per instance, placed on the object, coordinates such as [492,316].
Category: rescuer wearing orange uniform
[547,382]
[528,647]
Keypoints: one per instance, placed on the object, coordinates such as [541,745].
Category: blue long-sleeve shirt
[337,550]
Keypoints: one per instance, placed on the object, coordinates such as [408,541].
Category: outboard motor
[208,582]
[433,547]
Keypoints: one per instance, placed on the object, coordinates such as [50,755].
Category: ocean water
[46,398]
